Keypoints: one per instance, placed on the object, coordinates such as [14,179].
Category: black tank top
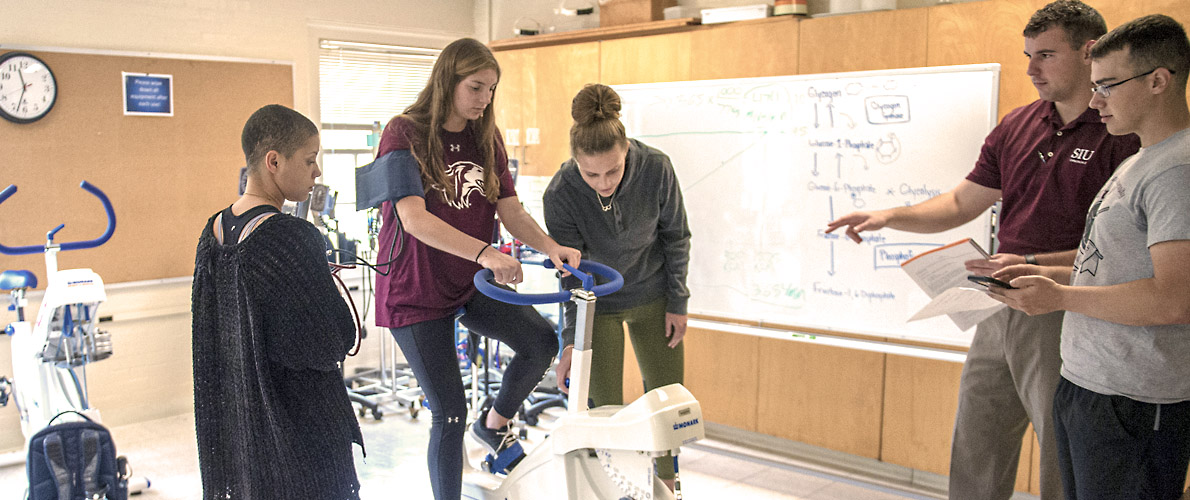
[233,225]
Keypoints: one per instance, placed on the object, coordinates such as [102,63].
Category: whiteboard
[765,163]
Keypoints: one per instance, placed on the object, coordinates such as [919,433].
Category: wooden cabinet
[536,87]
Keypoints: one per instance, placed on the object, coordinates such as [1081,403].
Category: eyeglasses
[1104,90]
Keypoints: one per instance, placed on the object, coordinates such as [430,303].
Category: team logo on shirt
[468,178]
[1089,258]
[1082,156]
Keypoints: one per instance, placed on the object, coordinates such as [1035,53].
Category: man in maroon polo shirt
[1046,160]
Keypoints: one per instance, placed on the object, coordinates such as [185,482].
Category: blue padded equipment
[10,280]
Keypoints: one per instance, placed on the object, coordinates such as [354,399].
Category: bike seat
[11,280]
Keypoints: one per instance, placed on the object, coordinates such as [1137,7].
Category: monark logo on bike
[683,425]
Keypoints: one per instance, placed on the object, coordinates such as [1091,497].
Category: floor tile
[164,452]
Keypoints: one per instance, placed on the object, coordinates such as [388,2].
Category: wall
[149,374]
[896,409]
[261,29]
[500,16]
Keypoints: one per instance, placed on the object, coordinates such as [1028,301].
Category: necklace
[608,207]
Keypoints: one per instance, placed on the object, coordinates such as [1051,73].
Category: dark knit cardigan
[269,329]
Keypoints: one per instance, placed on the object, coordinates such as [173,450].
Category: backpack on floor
[75,461]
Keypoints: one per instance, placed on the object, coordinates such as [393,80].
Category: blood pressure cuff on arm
[393,176]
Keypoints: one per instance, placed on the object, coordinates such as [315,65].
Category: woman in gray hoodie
[617,200]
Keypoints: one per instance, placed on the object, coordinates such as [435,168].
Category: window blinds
[361,83]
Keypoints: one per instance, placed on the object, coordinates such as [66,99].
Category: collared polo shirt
[1047,174]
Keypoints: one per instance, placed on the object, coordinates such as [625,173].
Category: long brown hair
[462,58]
[597,127]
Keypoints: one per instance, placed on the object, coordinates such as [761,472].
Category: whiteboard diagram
[765,163]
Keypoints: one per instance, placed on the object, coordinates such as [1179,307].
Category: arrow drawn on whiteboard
[850,122]
[862,159]
[815,171]
[815,115]
[830,108]
[832,271]
[839,158]
[830,200]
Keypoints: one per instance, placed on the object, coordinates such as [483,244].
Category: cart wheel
[413,411]
[363,412]
[531,420]
[377,414]
[524,433]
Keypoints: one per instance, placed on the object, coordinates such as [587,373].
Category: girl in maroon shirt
[437,231]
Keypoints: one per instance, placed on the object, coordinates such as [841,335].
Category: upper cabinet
[533,101]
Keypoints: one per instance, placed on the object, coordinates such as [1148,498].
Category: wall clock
[27,87]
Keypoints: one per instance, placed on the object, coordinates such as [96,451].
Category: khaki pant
[1008,381]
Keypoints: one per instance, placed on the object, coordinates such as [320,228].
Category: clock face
[27,88]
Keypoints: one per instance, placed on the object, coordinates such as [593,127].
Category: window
[361,87]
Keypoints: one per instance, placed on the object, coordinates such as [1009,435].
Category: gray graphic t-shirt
[1146,202]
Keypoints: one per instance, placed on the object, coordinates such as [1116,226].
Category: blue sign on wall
[148,94]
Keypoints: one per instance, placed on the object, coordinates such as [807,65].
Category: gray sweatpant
[1008,381]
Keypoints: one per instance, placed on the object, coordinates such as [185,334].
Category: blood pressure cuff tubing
[390,177]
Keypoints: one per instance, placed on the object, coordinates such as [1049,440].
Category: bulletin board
[165,175]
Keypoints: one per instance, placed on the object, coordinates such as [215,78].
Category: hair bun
[596,102]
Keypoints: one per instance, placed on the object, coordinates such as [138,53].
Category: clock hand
[21,75]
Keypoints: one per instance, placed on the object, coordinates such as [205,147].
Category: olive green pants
[659,364]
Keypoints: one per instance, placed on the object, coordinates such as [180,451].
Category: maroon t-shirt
[1047,174]
[425,283]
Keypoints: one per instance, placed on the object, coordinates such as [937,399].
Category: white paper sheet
[942,274]
[965,306]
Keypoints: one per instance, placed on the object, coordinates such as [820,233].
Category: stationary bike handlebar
[586,270]
[74,245]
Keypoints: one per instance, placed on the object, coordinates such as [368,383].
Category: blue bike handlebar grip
[616,283]
[77,245]
[482,283]
[111,221]
[8,191]
[587,279]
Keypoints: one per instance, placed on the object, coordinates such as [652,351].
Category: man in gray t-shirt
[1122,408]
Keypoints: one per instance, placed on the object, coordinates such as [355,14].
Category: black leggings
[429,347]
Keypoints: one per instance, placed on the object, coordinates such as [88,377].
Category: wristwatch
[1030,259]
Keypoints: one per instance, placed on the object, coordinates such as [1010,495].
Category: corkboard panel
[746,49]
[859,42]
[164,175]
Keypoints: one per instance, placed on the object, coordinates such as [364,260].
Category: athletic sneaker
[495,440]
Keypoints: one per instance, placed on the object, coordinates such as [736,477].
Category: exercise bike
[597,453]
[50,355]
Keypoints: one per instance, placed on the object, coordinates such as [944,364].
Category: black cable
[397,240]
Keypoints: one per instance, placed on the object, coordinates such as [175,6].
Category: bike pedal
[505,461]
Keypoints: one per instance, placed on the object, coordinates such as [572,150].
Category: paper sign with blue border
[148,95]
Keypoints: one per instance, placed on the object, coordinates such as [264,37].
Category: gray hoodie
[644,236]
